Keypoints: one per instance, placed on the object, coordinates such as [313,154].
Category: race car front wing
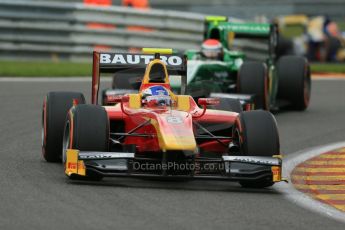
[121,164]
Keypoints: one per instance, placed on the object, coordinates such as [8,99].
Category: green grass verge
[327,68]
[44,69]
[69,69]
[341,25]
[292,31]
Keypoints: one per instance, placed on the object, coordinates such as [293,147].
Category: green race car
[247,68]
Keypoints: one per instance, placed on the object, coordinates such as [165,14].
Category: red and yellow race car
[156,132]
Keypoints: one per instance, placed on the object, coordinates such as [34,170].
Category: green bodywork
[212,75]
[221,76]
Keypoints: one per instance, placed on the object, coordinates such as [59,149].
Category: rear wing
[104,62]
[226,25]
[250,29]
[224,30]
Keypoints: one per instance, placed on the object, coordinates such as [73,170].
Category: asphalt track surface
[37,195]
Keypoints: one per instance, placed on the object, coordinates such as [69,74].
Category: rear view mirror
[208,101]
[114,99]
[204,102]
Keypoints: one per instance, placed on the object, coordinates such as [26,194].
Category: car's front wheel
[55,108]
[256,134]
[86,129]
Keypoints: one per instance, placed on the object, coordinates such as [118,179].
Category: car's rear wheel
[256,134]
[86,129]
[294,81]
[253,79]
[55,108]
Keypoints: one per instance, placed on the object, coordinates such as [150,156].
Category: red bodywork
[223,119]
[183,133]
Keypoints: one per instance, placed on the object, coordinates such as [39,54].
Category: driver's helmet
[156,95]
[212,49]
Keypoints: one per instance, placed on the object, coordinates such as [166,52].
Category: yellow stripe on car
[157,50]
[73,165]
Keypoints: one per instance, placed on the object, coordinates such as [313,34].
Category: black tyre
[253,79]
[228,104]
[257,134]
[55,108]
[294,81]
[104,97]
[86,129]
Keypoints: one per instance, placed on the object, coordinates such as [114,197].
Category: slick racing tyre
[104,97]
[294,81]
[253,79]
[86,129]
[55,108]
[228,104]
[256,134]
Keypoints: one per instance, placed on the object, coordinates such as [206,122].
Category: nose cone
[175,131]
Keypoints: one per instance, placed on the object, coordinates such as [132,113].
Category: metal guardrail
[32,29]
[40,29]
[248,9]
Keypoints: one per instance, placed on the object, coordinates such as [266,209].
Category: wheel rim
[42,131]
[237,138]
[43,128]
[266,95]
[65,141]
[306,91]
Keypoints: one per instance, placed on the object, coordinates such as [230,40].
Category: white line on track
[289,163]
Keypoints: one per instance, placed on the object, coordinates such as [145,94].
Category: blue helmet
[157,93]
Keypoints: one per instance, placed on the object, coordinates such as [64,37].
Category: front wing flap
[234,168]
